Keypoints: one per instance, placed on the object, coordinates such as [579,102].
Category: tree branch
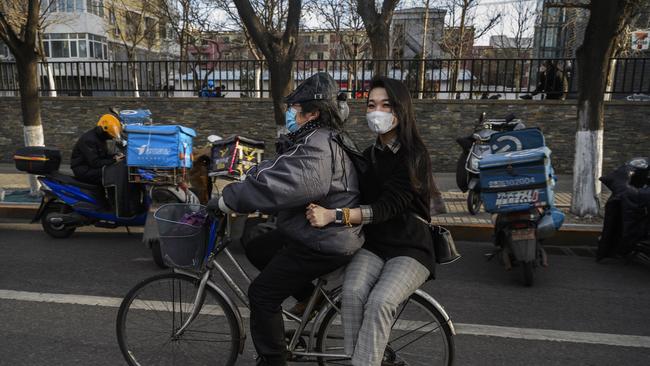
[293,20]
[31,27]
[8,35]
[254,26]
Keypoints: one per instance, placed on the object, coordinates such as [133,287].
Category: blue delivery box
[517,180]
[159,146]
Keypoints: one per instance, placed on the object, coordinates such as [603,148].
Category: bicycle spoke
[155,312]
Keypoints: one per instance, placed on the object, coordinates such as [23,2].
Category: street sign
[640,40]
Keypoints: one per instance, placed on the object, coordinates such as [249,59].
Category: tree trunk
[258,80]
[136,88]
[280,77]
[606,21]
[378,30]
[379,37]
[50,80]
[30,107]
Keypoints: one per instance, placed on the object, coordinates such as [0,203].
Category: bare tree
[230,10]
[274,31]
[20,23]
[342,18]
[607,21]
[191,23]
[136,27]
[377,24]
[521,17]
[462,31]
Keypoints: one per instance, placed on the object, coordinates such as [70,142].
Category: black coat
[90,153]
[394,230]
[553,83]
[627,215]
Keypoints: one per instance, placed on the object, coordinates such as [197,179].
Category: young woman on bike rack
[397,256]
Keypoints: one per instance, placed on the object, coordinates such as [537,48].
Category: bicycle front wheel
[153,311]
[419,336]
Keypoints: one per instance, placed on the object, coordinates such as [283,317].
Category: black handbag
[443,243]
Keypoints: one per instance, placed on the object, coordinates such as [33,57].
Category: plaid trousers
[372,291]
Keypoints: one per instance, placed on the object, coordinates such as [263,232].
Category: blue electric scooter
[68,204]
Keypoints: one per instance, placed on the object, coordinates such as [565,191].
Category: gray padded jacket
[313,169]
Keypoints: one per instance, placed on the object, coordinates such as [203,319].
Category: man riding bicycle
[312,167]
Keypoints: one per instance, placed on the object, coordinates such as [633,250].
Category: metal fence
[431,78]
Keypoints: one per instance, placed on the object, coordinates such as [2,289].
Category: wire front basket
[183,232]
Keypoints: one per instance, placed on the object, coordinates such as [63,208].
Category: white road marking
[620,340]
[142,259]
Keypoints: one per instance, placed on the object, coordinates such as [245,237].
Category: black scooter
[626,227]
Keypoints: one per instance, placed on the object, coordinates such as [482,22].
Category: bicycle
[184,317]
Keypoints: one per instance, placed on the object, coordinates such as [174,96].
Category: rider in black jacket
[90,154]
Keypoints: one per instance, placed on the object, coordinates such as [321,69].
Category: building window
[162,30]
[321,55]
[67,45]
[64,6]
[226,40]
[4,51]
[112,19]
[95,7]
[321,39]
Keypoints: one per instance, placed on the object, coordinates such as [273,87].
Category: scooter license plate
[523,234]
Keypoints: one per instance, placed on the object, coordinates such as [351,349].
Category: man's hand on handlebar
[213,207]
[217,206]
[118,157]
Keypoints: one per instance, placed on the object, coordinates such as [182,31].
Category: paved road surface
[578,312]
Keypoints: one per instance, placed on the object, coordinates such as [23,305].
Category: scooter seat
[68,179]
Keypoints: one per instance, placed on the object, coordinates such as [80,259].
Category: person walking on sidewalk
[397,256]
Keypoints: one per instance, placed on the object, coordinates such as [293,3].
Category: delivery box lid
[160,130]
[515,157]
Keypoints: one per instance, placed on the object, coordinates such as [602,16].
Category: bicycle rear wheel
[156,308]
[419,336]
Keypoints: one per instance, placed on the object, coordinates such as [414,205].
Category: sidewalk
[575,231]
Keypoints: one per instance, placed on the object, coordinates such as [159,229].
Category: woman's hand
[319,216]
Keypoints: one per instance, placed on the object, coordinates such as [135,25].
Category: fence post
[471,80]
[79,79]
[167,78]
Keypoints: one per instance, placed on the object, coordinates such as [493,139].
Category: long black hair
[416,153]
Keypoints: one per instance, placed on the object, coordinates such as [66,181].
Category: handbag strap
[421,219]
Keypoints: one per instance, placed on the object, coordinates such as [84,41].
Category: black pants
[88,175]
[289,271]
[261,250]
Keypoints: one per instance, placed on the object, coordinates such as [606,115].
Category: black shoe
[392,359]
[265,361]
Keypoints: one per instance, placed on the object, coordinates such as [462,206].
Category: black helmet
[320,86]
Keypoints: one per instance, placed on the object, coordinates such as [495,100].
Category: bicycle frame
[204,280]
[332,297]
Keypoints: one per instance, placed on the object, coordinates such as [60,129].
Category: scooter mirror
[214,138]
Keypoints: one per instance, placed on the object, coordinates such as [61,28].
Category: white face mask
[380,122]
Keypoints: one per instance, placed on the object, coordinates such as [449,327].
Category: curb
[18,211]
[569,234]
